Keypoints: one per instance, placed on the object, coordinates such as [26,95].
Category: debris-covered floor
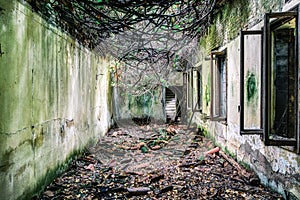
[156,162]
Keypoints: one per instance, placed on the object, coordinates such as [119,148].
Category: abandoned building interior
[240,86]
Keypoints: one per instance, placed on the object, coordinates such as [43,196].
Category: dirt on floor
[156,162]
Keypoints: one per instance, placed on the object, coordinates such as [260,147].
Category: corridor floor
[156,162]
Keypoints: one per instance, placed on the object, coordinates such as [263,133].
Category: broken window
[276,83]
[218,86]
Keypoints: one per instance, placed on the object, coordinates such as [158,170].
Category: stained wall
[277,167]
[52,104]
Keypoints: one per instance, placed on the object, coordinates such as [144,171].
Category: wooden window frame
[213,74]
[189,89]
[268,27]
[198,104]
[243,130]
[269,23]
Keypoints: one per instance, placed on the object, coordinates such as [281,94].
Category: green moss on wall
[268,5]
[215,36]
[5,160]
[251,87]
[141,106]
[46,79]
[234,17]
[227,23]
[110,90]
[207,92]
[38,140]
[207,134]
[51,175]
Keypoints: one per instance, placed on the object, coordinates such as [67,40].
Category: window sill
[197,110]
[222,120]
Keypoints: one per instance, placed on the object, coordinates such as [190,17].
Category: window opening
[218,86]
[281,79]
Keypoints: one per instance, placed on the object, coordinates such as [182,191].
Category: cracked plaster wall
[52,104]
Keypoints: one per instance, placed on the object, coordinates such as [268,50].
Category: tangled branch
[92,21]
[149,37]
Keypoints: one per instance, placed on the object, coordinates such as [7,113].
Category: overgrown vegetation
[148,39]
[227,24]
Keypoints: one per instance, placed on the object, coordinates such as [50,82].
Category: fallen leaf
[90,167]
[112,163]
[143,165]
[49,193]
[180,170]
[166,189]
[115,134]
[156,147]
[123,147]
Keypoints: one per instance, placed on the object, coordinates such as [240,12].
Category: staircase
[170,105]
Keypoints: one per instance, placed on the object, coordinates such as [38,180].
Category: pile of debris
[195,174]
[155,141]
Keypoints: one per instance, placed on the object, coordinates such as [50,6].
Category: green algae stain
[52,173]
[226,24]
[140,105]
[38,140]
[251,86]
[5,160]
[207,92]
[268,6]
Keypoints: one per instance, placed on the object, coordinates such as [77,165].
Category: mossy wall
[128,106]
[52,103]
[234,16]
[276,166]
[226,24]
[148,104]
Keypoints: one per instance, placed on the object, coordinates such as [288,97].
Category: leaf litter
[156,162]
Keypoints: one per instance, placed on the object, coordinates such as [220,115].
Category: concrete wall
[151,104]
[52,103]
[277,167]
[127,106]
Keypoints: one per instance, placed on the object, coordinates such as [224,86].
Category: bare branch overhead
[92,21]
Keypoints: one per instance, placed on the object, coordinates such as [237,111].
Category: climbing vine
[227,23]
